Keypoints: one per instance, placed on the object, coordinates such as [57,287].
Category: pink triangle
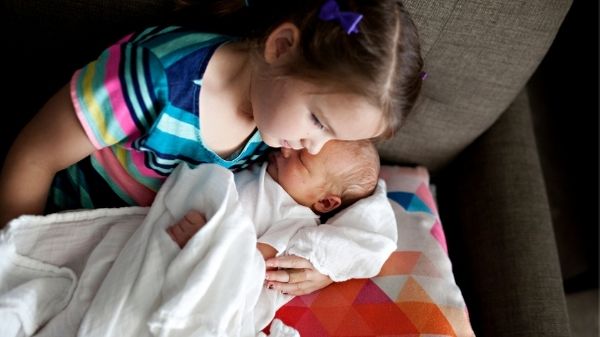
[424,193]
[296,302]
[438,234]
[371,293]
[306,323]
[308,299]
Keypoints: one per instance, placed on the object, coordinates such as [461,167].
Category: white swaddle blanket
[152,288]
[122,275]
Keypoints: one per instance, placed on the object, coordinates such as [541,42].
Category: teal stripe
[76,179]
[178,128]
[148,34]
[143,81]
[173,50]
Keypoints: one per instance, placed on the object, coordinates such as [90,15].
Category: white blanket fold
[134,281]
[355,243]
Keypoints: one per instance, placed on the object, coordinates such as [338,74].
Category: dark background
[564,97]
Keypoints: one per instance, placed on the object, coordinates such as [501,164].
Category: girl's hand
[295,276]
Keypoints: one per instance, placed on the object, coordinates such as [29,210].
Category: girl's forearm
[23,190]
[53,140]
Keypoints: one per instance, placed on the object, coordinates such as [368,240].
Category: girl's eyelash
[317,122]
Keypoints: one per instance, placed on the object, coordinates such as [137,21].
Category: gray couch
[472,128]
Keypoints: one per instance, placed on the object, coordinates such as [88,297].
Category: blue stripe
[151,89]
[123,79]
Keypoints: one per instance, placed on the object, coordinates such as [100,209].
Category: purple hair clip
[348,20]
[423,75]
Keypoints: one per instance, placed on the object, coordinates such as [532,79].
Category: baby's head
[341,173]
[314,79]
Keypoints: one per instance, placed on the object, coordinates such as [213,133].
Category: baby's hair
[381,62]
[359,179]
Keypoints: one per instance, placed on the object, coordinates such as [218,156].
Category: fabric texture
[139,106]
[414,294]
[495,202]
[478,56]
[31,291]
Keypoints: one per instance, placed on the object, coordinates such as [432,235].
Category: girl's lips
[286,144]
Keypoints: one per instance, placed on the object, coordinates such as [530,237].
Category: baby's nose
[286,152]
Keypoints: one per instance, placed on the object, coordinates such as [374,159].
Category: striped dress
[139,105]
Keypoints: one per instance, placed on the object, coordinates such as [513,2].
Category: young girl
[307,72]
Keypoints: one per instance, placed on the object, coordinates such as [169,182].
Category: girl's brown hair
[381,62]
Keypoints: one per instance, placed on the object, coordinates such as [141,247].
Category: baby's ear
[282,43]
[327,204]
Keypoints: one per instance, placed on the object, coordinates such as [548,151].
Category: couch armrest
[495,212]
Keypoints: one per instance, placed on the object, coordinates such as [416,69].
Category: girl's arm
[53,140]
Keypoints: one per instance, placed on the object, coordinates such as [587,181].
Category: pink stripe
[141,194]
[125,39]
[138,160]
[79,111]
[113,86]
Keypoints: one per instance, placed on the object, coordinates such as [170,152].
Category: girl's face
[292,113]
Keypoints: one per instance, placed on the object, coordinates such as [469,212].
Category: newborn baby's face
[299,173]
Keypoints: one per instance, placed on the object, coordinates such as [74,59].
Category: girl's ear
[327,204]
[282,43]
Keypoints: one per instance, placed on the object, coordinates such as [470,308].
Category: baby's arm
[354,244]
[193,221]
[266,250]
[53,140]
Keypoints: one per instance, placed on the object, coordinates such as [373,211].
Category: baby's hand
[183,231]
[296,276]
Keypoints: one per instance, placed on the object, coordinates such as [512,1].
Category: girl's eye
[317,122]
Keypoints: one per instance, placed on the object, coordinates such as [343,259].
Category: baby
[293,189]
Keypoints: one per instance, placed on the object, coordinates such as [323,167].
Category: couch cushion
[478,54]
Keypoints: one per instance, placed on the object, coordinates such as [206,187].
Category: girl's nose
[313,147]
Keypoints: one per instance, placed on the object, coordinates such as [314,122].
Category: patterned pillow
[414,294]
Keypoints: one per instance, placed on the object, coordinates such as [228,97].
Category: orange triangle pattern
[427,318]
[413,292]
[425,267]
[400,263]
